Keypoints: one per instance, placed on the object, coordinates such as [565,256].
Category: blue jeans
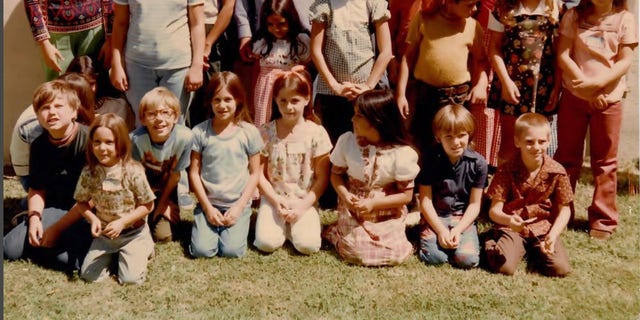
[208,240]
[466,255]
[142,79]
[70,249]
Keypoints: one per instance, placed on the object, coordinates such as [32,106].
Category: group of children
[124,184]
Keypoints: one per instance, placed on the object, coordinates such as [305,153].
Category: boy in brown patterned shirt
[530,197]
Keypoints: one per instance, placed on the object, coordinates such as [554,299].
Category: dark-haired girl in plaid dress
[373,169]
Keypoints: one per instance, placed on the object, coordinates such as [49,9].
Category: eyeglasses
[162,114]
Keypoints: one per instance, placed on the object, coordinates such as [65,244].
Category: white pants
[272,230]
[132,248]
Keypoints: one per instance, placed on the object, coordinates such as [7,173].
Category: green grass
[604,284]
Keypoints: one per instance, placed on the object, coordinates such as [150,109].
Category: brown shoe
[599,234]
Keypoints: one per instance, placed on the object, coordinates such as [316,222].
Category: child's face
[103,144]
[159,121]
[56,116]
[461,9]
[533,143]
[453,143]
[224,105]
[291,104]
[362,128]
[278,26]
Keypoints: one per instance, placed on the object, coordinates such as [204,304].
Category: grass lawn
[604,284]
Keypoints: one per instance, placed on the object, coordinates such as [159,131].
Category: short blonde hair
[454,118]
[156,97]
[530,120]
[48,91]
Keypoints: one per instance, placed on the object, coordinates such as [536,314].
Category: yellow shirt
[443,56]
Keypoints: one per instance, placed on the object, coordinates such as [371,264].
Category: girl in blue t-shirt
[224,172]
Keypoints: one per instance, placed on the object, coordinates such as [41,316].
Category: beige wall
[22,67]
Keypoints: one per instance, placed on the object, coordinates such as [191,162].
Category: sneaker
[599,234]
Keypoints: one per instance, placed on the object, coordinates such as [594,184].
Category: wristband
[34,213]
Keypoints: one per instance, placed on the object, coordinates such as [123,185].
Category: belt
[454,90]
[454,94]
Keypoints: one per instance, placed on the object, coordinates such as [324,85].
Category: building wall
[22,68]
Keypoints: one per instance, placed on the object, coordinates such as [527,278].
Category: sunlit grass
[604,284]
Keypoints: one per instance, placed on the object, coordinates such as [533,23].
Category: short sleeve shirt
[538,198]
[115,191]
[442,61]
[451,184]
[290,162]
[596,47]
[158,36]
[225,160]
[174,155]
[348,47]
[377,166]
[56,169]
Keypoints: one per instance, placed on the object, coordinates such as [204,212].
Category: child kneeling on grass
[163,146]
[530,197]
[452,181]
[373,171]
[118,187]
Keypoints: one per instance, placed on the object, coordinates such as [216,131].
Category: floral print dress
[528,55]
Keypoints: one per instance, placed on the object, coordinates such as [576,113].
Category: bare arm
[407,63]
[195,183]
[473,209]
[118,75]
[429,211]
[383,41]
[193,79]
[231,216]
[510,94]
[479,64]
[222,22]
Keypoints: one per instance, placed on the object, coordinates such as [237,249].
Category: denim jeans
[466,255]
[70,248]
[208,240]
[142,79]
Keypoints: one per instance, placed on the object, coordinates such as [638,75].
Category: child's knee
[268,243]
[233,251]
[466,261]
[307,246]
[131,278]
[433,257]
[201,250]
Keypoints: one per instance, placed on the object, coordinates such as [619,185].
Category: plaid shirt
[348,49]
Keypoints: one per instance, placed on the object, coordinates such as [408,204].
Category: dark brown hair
[120,131]
[231,82]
